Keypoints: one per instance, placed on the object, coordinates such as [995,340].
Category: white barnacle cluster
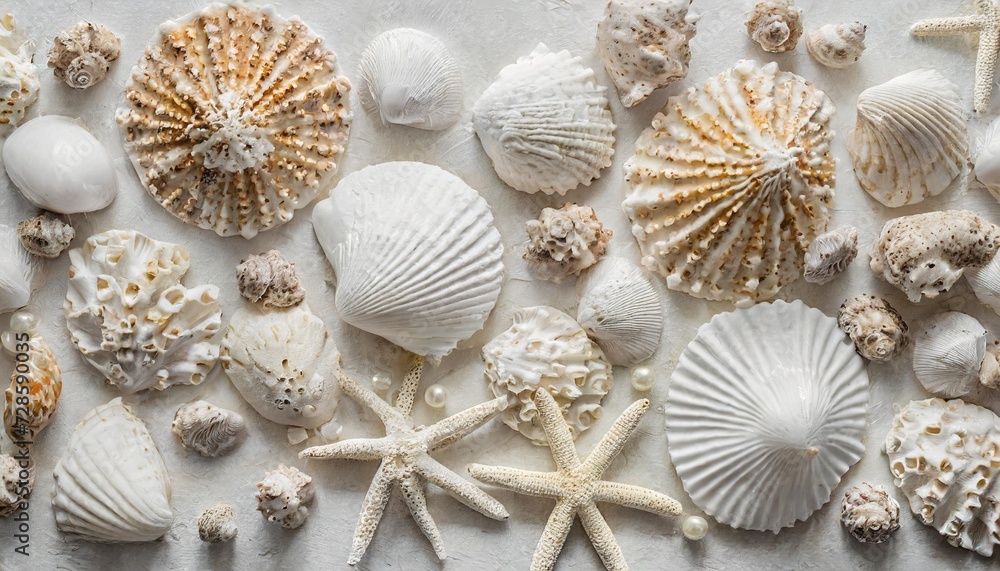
[284,496]
[565,241]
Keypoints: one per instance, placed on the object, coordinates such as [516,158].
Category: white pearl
[7,338]
[331,431]
[695,528]
[381,382]
[436,396]
[642,378]
[23,321]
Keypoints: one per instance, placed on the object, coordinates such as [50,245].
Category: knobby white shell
[111,484]
[776,25]
[410,78]
[876,328]
[417,258]
[837,45]
[81,55]
[45,235]
[910,140]
[830,254]
[948,351]
[208,429]
[17,272]
[217,524]
[545,123]
[565,241]
[59,166]
[284,496]
[19,81]
[765,413]
[727,221]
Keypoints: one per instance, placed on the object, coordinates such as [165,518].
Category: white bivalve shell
[410,78]
[208,429]
[111,484]
[830,254]
[234,118]
[987,169]
[545,123]
[129,315]
[765,413]
[284,496]
[59,166]
[17,272]
[876,328]
[644,45]
[620,309]
[417,258]
[776,25]
[943,456]
[19,80]
[948,352]
[725,209]
[910,140]
[985,283]
[837,45]
[546,350]
[869,513]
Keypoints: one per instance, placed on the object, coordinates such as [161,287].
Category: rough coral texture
[837,46]
[284,496]
[776,25]
[208,429]
[830,254]
[81,55]
[566,241]
[269,279]
[19,81]
[43,383]
[45,235]
[217,524]
[876,328]
[12,488]
[869,513]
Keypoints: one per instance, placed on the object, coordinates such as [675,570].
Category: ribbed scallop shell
[765,414]
[235,117]
[985,283]
[732,183]
[947,352]
[417,258]
[545,123]
[910,140]
[111,484]
[410,78]
[620,310]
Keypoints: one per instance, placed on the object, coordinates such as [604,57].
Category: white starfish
[576,485]
[405,454]
[986,23]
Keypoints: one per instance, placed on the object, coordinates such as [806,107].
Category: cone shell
[948,350]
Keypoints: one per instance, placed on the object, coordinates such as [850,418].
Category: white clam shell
[410,78]
[837,45]
[111,484]
[987,169]
[17,271]
[59,166]
[765,414]
[985,283]
[947,352]
[417,258]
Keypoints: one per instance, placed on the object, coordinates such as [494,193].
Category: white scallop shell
[620,309]
[17,271]
[985,283]
[19,81]
[727,221]
[987,169]
[765,413]
[417,258]
[545,123]
[111,484]
[910,140]
[410,78]
[948,351]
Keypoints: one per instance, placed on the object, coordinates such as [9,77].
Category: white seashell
[942,455]
[417,258]
[765,414]
[545,123]
[45,236]
[620,310]
[776,25]
[989,371]
[985,283]
[713,217]
[910,140]
[235,117]
[208,429]
[877,330]
[217,524]
[410,78]
[19,81]
[830,254]
[269,279]
[644,45]
[284,496]
[17,272]
[59,166]
[837,46]
[987,169]
[37,383]
[563,242]
[869,513]
[16,484]
[948,351]
[129,315]
[111,484]
[925,254]
[82,54]
[546,349]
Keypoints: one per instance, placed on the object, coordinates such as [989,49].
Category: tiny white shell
[837,46]
[563,242]
[869,513]
[948,352]
[217,524]
[208,429]
[776,25]
[284,496]
[45,235]
[17,272]
[830,254]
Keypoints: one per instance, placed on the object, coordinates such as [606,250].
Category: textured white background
[484,36]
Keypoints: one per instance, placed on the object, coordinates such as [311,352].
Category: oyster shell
[217,524]
[111,484]
[417,258]
[877,330]
[81,55]
[129,315]
[948,352]
[765,413]
[35,386]
[17,272]
[563,242]
[869,513]
[545,123]
[284,496]
[19,81]
[830,254]
[269,279]
[776,25]
[837,45]
[235,117]
[208,429]
[731,221]
[45,236]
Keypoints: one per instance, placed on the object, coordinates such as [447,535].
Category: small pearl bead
[695,528]
[331,431]
[642,378]
[23,321]
[7,338]
[436,396]
[381,382]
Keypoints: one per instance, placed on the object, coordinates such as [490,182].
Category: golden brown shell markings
[41,384]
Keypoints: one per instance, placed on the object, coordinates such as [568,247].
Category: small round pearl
[642,378]
[436,396]
[381,382]
[23,321]
[695,528]
[8,341]
[331,431]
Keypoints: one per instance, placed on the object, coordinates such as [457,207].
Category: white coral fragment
[269,279]
[776,25]
[45,235]
[81,55]
[877,330]
[830,254]
[217,524]
[869,513]
[837,45]
[284,496]
[563,242]
[19,81]
[208,429]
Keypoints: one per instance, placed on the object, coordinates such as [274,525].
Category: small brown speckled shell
[40,380]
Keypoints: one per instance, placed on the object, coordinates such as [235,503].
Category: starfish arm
[947,26]
[460,425]
[986,65]
[353,449]
[636,497]
[539,484]
[371,512]
[369,399]
[416,500]
[556,431]
[407,392]
[554,536]
[601,537]
[615,439]
[460,488]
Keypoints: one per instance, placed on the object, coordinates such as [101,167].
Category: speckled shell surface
[19,81]
[40,380]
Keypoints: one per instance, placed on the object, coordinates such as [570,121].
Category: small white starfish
[986,23]
[405,454]
[576,485]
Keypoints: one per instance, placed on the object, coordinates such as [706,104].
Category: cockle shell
[410,78]
[59,166]
[129,315]
[869,513]
[19,81]
[217,524]
[269,279]
[943,456]
[45,235]
[82,54]
[565,241]
[284,496]
[910,140]
[17,272]
[208,429]
[765,413]
[837,45]
[111,484]
[416,255]
[35,386]
[644,45]
[546,350]
[235,117]
[925,254]
[545,123]
[876,328]
[948,351]
[776,25]
[620,309]
[830,254]
[727,221]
